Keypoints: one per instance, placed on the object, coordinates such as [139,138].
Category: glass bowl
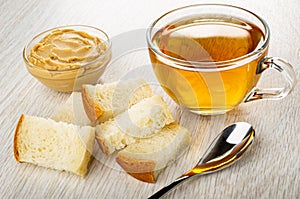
[71,79]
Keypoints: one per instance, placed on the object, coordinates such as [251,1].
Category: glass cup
[209,57]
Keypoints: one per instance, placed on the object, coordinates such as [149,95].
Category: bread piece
[147,157]
[72,111]
[55,145]
[142,120]
[104,101]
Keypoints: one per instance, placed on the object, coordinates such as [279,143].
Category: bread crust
[16,136]
[103,146]
[142,170]
[92,110]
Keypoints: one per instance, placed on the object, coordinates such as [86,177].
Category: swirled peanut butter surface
[64,49]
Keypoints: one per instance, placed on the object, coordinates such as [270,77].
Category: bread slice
[147,157]
[104,101]
[143,119]
[55,145]
[72,111]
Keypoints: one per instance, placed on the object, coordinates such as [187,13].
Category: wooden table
[271,169]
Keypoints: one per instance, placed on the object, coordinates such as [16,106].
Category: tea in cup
[209,57]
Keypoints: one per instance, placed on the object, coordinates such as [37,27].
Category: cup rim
[201,65]
[104,54]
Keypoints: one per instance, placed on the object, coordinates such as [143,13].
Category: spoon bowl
[225,150]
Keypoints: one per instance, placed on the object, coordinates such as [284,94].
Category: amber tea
[209,57]
[207,40]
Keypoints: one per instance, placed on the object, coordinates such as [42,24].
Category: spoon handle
[169,187]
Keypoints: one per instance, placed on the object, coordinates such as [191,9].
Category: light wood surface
[271,169]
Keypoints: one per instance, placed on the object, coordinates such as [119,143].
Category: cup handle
[287,72]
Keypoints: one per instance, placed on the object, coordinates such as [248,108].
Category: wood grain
[271,169]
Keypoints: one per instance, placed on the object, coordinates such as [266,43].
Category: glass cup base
[208,112]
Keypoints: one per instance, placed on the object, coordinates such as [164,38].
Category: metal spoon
[225,150]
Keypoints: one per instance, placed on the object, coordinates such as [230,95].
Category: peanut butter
[66,58]
[66,49]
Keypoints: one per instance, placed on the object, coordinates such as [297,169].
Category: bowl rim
[108,44]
